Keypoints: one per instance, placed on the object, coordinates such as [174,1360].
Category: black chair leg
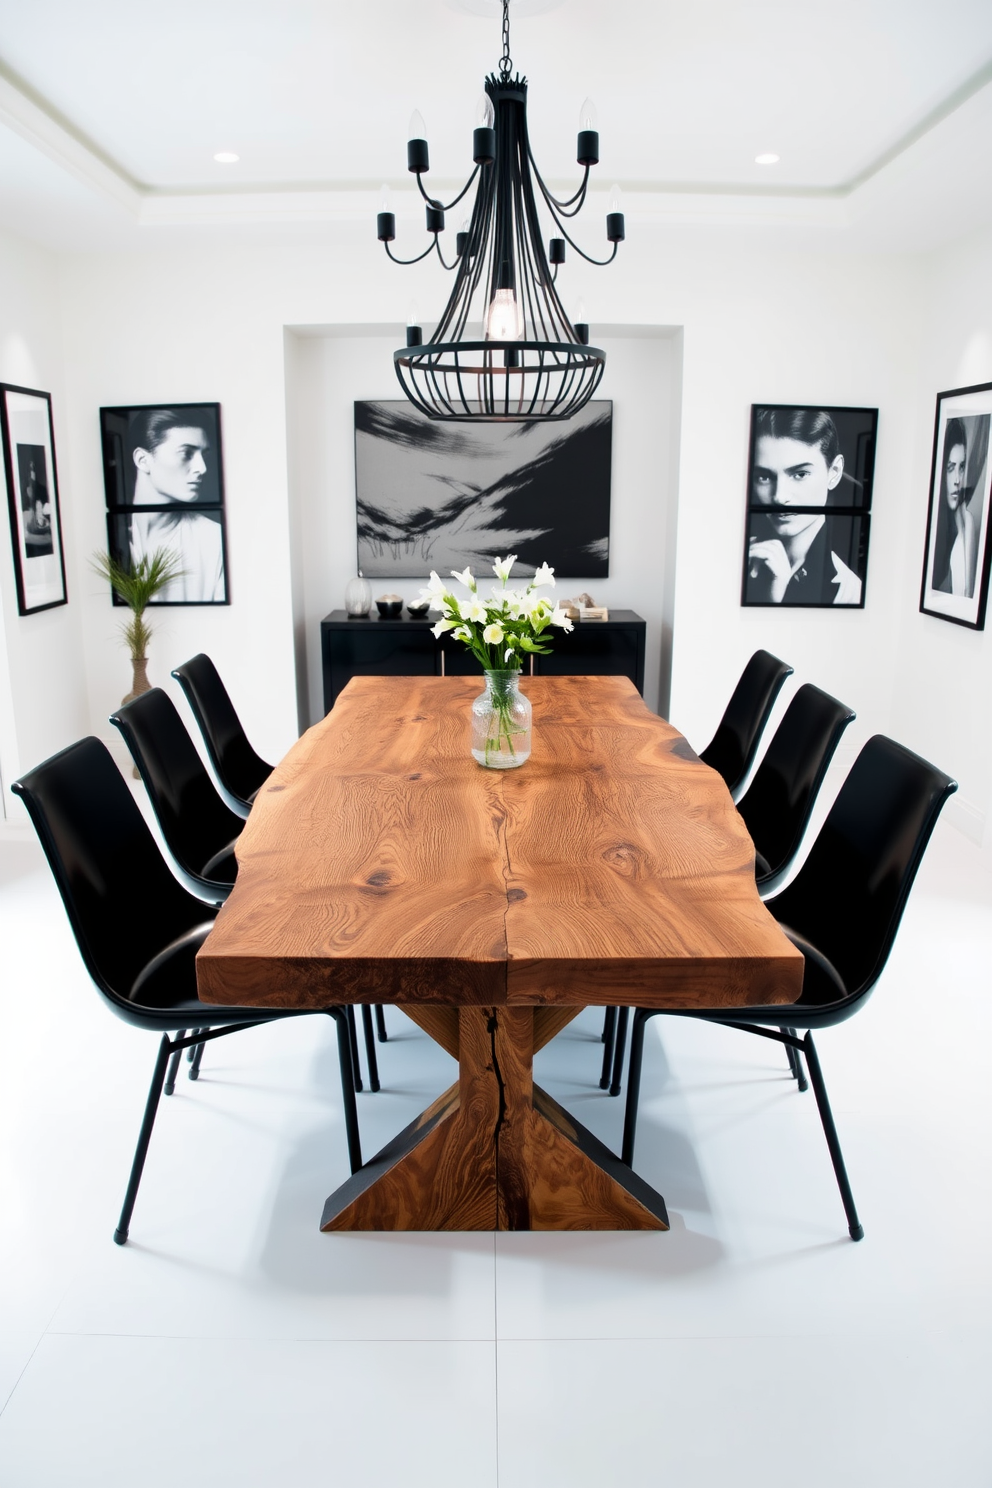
[641,1016]
[623,1015]
[797,1058]
[373,1063]
[830,1132]
[144,1137]
[606,1024]
[194,1069]
[170,1079]
[790,1054]
[343,1025]
[609,1034]
[380,1024]
[191,1052]
[353,1035]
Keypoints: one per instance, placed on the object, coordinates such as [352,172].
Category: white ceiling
[112,110]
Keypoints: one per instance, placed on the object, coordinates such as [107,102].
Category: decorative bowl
[389,606]
[418,606]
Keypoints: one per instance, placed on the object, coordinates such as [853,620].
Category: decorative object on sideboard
[957,551]
[533,361]
[417,607]
[358,596]
[389,605]
[809,506]
[136,586]
[499,631]
[447,497]
[32,498]
[164,481]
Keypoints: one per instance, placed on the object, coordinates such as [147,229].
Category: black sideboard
[373,647]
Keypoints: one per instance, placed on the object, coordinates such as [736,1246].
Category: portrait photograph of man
[809,502]
[165,492]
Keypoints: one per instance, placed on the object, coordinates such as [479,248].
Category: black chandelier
[532,362]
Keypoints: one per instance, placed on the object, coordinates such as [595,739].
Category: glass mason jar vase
[501,719]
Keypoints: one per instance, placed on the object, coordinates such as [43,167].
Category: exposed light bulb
[413,314]
[505,318]
[385,198]
[418,129]
[580,317]
[616,197]
[485,114]
[589,115]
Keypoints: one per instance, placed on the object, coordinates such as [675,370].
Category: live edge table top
[381,864]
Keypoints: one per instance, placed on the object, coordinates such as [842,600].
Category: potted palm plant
[137,586]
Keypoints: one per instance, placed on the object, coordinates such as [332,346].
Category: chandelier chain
[506,61]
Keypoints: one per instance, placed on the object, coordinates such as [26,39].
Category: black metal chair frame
[86,777]
[823,1010]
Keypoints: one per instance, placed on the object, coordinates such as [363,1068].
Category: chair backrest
[733,746]
[777,804]
[195,822]
[849,895]
[123,903]
[239,769]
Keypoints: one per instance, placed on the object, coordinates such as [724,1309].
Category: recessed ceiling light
[226,157]
[767,159]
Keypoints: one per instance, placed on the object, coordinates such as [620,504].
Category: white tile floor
[231,1342]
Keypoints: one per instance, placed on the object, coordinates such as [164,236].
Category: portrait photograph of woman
[809,506]
[165,492]
[956,559]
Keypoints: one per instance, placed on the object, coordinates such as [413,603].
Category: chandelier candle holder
[504,350]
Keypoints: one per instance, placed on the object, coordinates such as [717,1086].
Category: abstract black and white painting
[443,496]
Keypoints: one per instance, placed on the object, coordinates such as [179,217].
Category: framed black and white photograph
[810,474]
[956,555]
[32,498]
[164,480]
[432,495]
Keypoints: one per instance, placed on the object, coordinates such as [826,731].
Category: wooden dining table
[381,864]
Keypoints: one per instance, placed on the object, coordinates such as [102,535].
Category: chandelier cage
[530,362]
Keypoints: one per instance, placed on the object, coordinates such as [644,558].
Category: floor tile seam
[845,1332]
[43,1333]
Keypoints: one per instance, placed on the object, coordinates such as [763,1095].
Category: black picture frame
[956,552]
[28,436]
[831,570]
[445,496]
[166,491]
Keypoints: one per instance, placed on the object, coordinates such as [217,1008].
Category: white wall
[943,691]
[42,679]
[761,320]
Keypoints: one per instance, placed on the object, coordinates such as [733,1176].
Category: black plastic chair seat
[198,826]
[732,749]
[239,769]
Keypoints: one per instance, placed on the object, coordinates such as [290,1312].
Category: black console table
[373,647]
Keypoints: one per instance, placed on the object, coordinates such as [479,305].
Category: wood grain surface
[495,1153]
[380,863]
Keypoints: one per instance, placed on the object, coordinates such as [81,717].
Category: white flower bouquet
[501,630]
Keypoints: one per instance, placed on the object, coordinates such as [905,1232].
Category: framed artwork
[164,480]
[956,556]
[810,473]
[32,498]
[443,496]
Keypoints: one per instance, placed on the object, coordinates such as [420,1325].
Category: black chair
[842,910]
[238,768]
[138,929]
[777,804]
[200,831]
[732,749]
